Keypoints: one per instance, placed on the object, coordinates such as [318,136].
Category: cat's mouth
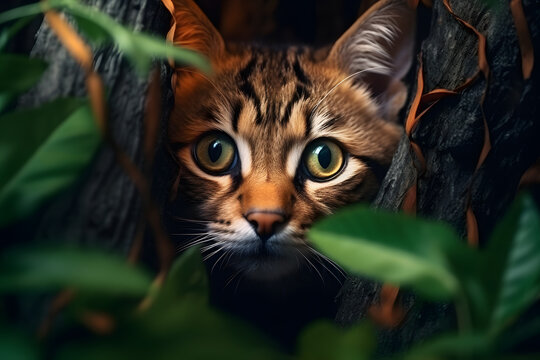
[257,259]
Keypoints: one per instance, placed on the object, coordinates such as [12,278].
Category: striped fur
[272,102]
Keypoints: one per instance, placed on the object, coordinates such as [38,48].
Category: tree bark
[104,208]
[451,136]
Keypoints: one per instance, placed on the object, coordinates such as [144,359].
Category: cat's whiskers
[321,259]
[191,219]
[190,234]
[235,275]
[228,251]
[207,248]
[311,264]
[197,241]
[193,243]
[213,253]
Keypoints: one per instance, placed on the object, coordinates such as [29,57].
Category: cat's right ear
[378,51]
[194,31]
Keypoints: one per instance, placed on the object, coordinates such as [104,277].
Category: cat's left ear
[194,31]
[379,47]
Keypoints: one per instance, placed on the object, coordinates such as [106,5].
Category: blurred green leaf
[325,340]
[52,154]
[392,248]
[95,33]
[33,126]
[139,47]
[452,346]
[14,346]
[7,33]
[179,324]
[512,266]
[18,73]
[32,9]
[187,276]
[187,329]
[22,12]
[49,269]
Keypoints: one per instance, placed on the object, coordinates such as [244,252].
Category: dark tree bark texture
[104,208]
[451,136]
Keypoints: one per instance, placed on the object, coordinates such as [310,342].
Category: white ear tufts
[368,49]
[379,46]
[381,40]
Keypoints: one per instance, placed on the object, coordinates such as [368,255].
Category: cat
[274,139]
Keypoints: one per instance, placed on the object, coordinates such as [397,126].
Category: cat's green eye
[215,153]
[323,159]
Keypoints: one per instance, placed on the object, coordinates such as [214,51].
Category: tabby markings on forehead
[264,108]
[247,88]
[300,92]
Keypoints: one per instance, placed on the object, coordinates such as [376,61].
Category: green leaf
[50,269]
[512,266]
[452,346]
[179,324]
[14,346]
[46,158]
[188,329]
[7,33]
[325,340]
[33,126]
[18,73]
[32,9]
[392,248]
[187,276]
[95,33]
[21,12]
[140,48]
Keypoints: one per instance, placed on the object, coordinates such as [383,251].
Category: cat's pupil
[324,156]
[214,150]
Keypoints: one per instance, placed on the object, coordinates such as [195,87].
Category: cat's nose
[265,223]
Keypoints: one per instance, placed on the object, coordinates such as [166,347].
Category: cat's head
[277,137]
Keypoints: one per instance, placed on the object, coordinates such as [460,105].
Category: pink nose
[265,223]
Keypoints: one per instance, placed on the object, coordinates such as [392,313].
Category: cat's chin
[264,263]
[269,268]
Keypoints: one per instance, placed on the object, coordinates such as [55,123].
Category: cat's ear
[379,47]
[194,31]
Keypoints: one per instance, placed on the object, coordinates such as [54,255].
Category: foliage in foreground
[490,288]
[116,311]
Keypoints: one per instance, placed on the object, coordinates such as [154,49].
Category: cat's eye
[323,159]
[215,153]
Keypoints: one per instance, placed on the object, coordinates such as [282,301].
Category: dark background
[313,22]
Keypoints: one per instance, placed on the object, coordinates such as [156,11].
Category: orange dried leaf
[524,38]
[70,39]
[388,313]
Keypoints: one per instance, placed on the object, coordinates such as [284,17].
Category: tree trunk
[104,208]
[451,137]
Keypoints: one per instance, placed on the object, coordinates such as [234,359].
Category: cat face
[276,138]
